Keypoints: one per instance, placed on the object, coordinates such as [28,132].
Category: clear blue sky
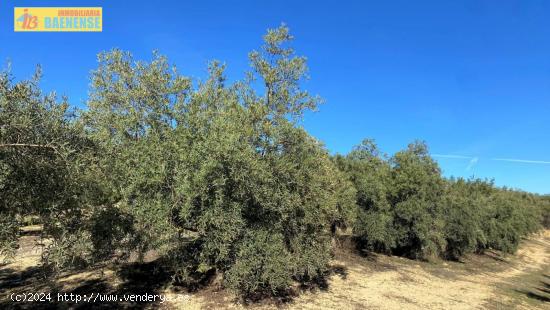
[472,78]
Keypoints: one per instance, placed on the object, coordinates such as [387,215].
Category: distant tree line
[219,177]
[405,207]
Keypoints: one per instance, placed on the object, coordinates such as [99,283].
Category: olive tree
[46,167]
[259,191]
[219,177]
[131,117]
[464,211]
[369,171]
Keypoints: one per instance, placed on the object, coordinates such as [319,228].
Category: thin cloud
[472,163]
[472,160]
[526,161]
[453,156]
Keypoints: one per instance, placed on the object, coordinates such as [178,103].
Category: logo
[58,19]
[27,21]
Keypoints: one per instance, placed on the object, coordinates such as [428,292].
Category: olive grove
[221,178]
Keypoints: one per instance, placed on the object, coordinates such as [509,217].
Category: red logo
[27,20]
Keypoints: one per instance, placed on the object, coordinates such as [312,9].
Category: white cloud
[523,161]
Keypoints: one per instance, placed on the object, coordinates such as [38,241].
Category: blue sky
[471,78]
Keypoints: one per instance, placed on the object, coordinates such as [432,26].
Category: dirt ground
[489,281]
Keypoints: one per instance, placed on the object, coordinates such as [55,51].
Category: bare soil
[358,281]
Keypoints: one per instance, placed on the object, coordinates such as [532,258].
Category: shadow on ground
[136,279]
[132,279]
[539,292]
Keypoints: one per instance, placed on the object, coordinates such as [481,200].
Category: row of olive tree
[219,177]
[407,208]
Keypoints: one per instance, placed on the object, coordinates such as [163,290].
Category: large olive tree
[220,177]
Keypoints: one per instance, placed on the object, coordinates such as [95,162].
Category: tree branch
[27,145]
